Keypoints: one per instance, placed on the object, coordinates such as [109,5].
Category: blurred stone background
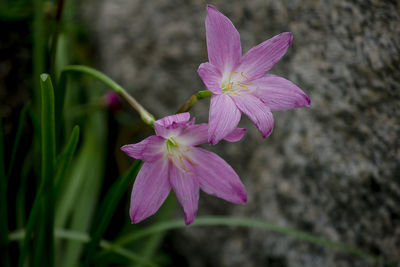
[331,169]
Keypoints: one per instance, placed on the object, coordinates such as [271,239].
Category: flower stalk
[146,116]
[193,100]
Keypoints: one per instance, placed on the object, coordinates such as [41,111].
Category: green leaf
[64,160]
[249,223]
[82,186]
[45,247]
[4,260]
[107,208]
[44,200]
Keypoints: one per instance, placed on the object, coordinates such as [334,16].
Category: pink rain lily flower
[239,83]
[171,160]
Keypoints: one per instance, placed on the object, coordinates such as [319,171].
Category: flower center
[177,154]
[236,84]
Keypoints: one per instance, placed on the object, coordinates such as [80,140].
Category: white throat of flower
[236,83]
[177,154]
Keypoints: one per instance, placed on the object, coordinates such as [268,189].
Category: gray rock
[331,169]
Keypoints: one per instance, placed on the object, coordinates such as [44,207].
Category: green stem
[245,222]
[193,100]
[144,114]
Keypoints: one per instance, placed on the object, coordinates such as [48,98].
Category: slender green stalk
[4,260]
[193,100]
[21,121]
[84,238]
[245,222]
[107,209]
[144,114]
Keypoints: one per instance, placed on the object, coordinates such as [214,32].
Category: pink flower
[239,83]
[171,160]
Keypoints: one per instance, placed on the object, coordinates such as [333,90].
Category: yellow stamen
[249,79]
[191,161]
[243,85]
[183,165]
[230,77]
[233,91]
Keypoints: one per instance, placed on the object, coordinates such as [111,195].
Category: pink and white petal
[171,125]
[235,135]
[150,190]
[186,188]
[278,93]
[223,41]
[194,135]
[257,112]
[149,149]
[216,177]
[211,77]
[224,117]
[261,58]
[198,134]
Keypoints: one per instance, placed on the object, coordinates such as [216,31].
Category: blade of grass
[107,208]
[88,174]
[90,171]
[44,254]
[64,160]
[21,121]
[84,238]
[4,260]
[249,223]
[43,203]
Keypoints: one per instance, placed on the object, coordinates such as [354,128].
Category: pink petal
[278,93]
[216,177]
[171,125]
[198,134]
[223,41]
[261,58]
[257,112]
[211,77]
[150,190]
[186,188]
[236,135]
[194,135]
[149,149]
[223,118]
